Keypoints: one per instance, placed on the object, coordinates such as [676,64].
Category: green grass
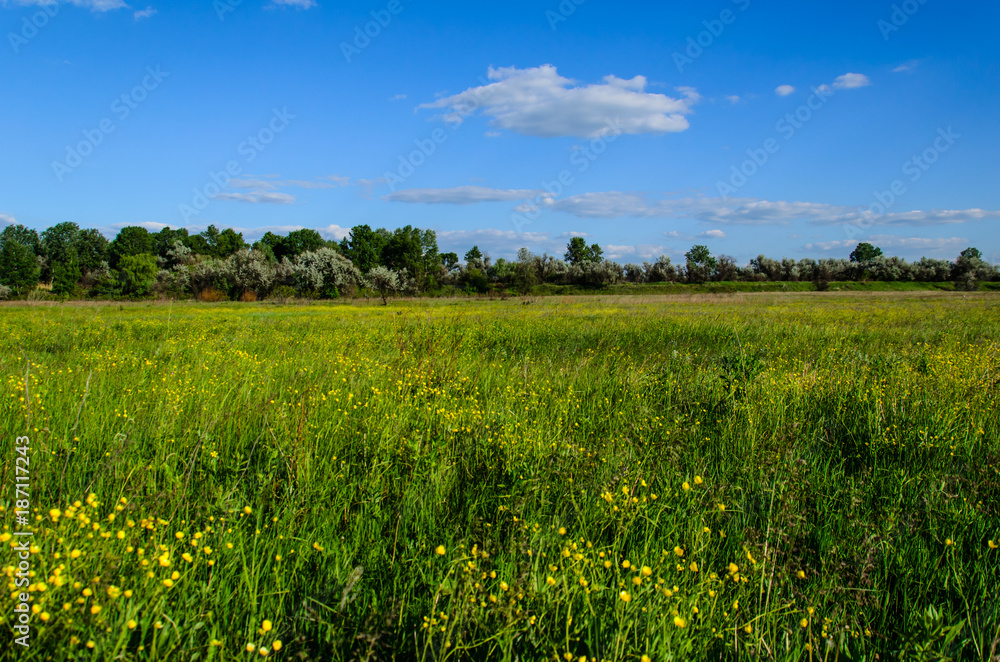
[842,453]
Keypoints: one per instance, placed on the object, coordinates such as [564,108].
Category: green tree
[137,274]
[384,281]
[131,240]
[56,241]
[228,242]
[450,261]
[473,255]
[700,264]
[578,252]
[92,249]
[363,247]
[19,269]
[164,240]
[66,275]
[971,253]
[25,236]
[865,253]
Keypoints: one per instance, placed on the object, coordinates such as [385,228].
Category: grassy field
[748,476]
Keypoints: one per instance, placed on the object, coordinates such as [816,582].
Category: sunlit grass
[796,477]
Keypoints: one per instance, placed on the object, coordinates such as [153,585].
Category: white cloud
[259,197]
[144,13]
[712,234]
[7,220]
[851,82]
[500,242]
[461,195]
[918,217]
[894,242]
[298,4]
[734,98]
[637,252]
[723,211]
[92,5]
[784,90]
[909,65]
[540,102]
[398,97]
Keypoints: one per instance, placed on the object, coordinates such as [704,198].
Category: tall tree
[228,242]
[363,247]
[578,252]
[91,249]
[131,240]
[25,236]
[865,252]
[19,268]
[56,241]
[700,264]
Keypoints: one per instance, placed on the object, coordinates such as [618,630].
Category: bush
[384,281]
[4,292]
[282,294]
[210,295]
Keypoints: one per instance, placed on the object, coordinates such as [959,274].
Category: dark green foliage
[865,253]
[131,240]
[577,252]
[19,268]
[137,273]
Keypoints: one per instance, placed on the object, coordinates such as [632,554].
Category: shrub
[210,295]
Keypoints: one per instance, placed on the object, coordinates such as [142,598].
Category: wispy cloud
[259,197]
[144,13]
[784,90]
[7,220]
[461,195]
[92,5]
[722,211]
[851,82]
[909,65]
[895,242]
[298,4]
[540,102]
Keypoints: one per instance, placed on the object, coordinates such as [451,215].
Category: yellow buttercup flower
[698,480]
[266,626]
[625,597]
[685,486]
[131,625]
[440,550]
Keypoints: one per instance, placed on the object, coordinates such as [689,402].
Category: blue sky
[777,128]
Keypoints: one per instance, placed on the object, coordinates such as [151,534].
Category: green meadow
[777,476]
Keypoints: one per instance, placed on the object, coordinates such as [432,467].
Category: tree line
[70,262]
